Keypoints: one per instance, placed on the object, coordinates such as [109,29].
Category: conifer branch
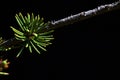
[84,15]
[70,20]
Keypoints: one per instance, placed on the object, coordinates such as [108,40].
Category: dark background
[79,51]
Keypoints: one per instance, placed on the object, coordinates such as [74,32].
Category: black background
[79,51]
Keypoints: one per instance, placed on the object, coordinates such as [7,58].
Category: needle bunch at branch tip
[31,34]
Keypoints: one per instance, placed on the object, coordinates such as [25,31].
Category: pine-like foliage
[31,34]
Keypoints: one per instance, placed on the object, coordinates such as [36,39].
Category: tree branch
[84,15]
[72,19]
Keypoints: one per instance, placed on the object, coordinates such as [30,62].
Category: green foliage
[1,40]
[4,64]
[31,34]
[4,73]
[3,48]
